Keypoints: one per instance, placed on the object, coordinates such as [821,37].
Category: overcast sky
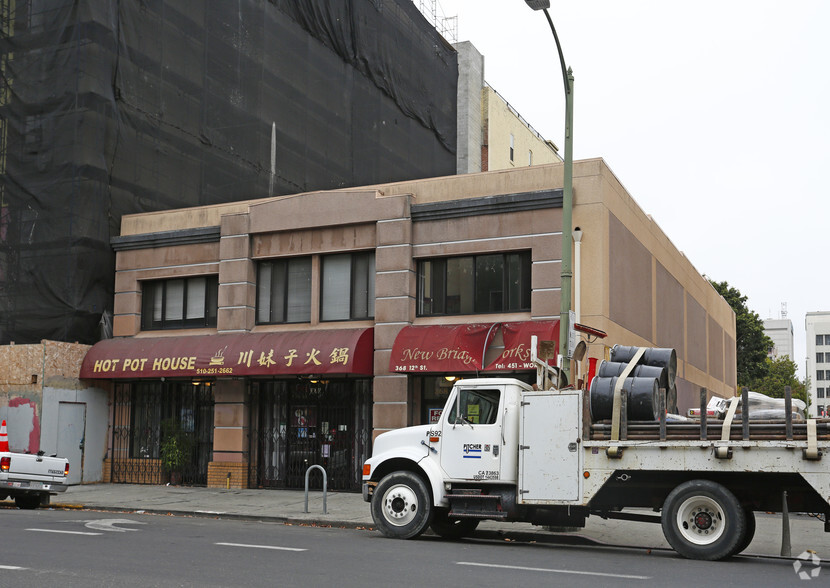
[715,116]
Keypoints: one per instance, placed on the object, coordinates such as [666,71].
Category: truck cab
[478,461]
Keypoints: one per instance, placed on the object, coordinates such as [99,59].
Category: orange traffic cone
[4,437]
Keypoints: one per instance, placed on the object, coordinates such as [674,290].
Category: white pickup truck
[31,478]
[504,451]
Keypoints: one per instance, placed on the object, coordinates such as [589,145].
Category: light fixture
[450,378]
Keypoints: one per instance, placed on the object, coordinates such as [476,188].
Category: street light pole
[567,194]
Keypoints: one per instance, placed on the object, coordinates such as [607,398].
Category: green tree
[751,343]
[780,373]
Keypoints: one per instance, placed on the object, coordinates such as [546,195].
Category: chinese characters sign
[344,351]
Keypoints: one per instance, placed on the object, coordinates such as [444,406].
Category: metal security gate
[299,424]
[139,411]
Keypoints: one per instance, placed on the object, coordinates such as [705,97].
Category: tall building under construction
[110,108]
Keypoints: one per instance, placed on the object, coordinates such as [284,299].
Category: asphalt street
[350,511]
[79,548]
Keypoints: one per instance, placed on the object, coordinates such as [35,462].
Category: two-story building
[288,331]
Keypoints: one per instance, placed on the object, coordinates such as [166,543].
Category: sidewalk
[350,511]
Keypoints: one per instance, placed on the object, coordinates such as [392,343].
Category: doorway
[71,436]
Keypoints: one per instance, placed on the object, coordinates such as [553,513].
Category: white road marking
[262,546]
[553,571]
[109,524]
[11,568]
[64,532]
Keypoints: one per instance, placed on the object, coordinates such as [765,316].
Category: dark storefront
[299,423]
[142,411]
[269,405]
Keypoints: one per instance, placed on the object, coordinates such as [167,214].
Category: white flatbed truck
[504,451]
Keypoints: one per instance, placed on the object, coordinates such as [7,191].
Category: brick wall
[218,474]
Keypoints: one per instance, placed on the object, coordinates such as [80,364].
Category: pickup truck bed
[30,479]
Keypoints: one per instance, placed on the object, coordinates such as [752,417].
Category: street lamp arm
[559,49]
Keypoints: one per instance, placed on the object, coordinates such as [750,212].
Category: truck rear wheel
[703,520]
[401,505]
[27,501]
[749,532]
[443,526]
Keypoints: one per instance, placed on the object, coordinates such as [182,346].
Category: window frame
[287,317]
[355,290]
[438,277]
[209,311]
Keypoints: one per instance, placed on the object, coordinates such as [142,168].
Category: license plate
[36,485]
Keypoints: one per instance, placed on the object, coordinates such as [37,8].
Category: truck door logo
[472,451]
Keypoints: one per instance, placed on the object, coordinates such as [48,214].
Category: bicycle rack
[325,484]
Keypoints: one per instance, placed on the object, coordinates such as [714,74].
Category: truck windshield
[477,407]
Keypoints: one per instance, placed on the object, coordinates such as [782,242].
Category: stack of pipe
[656,369]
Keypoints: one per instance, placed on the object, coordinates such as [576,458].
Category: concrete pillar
[231,430]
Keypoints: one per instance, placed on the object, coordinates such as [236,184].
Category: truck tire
[703,520]
[401,505]
[27,501]
[749,532]
[443,526]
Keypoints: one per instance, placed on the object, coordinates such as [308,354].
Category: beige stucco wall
[500,121]
[636,286]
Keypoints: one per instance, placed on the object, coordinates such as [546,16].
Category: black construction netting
[115,107]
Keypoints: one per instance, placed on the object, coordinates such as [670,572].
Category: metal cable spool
[642,398]
[609,369]
[653,356]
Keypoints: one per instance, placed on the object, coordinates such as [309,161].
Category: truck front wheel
[401,505]
[703,520]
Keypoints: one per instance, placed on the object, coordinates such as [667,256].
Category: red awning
[441,348]
[340,351]
[516,336]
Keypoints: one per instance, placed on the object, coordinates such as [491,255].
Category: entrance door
[71,430]
[471,439]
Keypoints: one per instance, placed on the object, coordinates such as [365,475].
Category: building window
[819,358]
[819,392]
[512,145]
[474,285]
[284,291]
[348,291]
[819,339]
[820,375]
[179,303]
[529,157]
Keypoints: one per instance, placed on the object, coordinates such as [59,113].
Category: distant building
[492,135]
[781,333]
[818,361]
